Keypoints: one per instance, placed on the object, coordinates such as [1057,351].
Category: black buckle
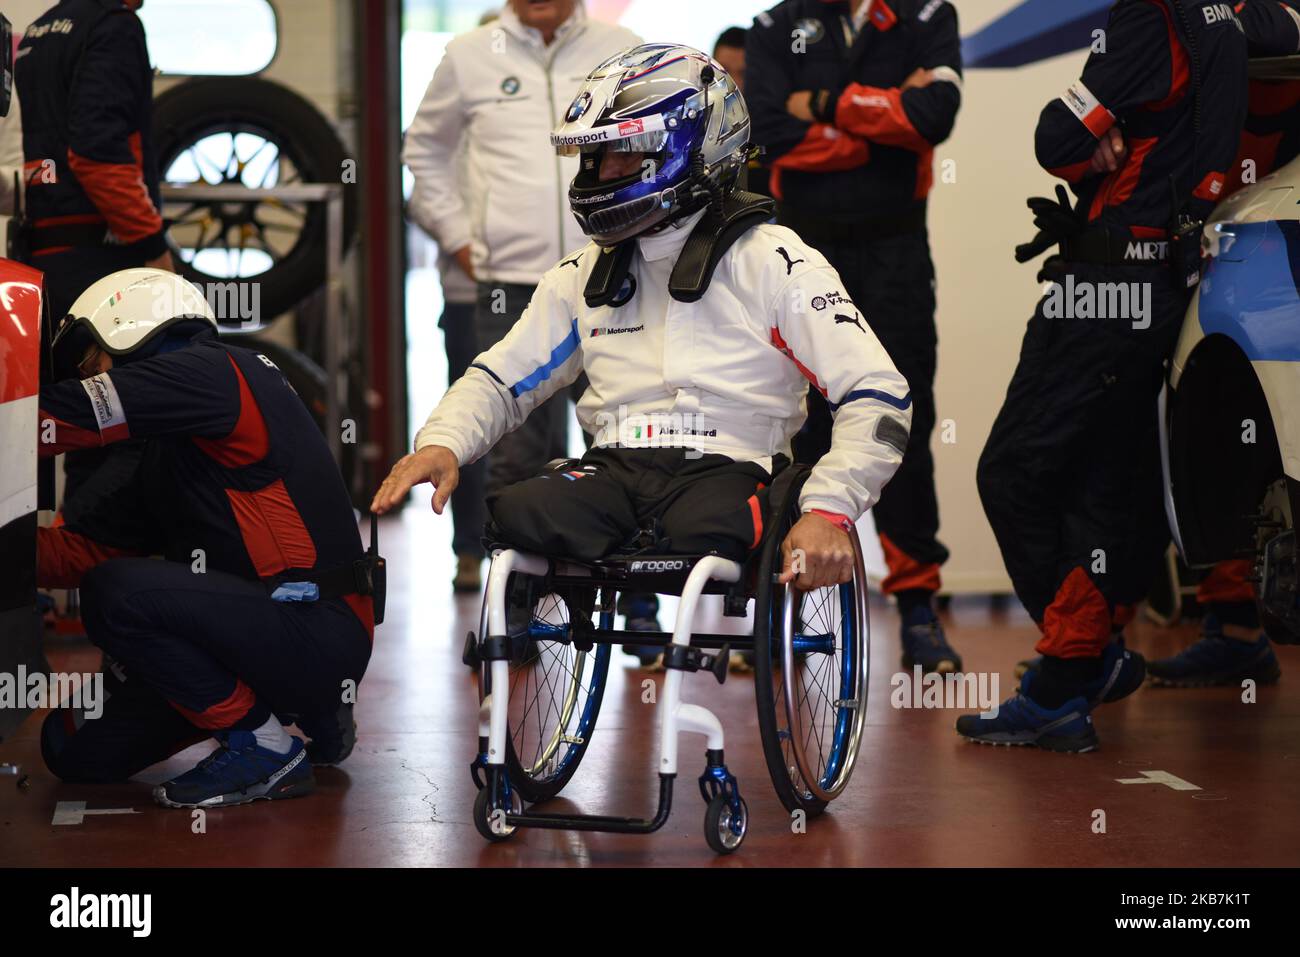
[690,658]
[494,648]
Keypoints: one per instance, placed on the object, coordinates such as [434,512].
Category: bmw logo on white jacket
[497,93]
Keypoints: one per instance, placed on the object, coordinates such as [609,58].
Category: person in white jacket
[496,94]
[699,327]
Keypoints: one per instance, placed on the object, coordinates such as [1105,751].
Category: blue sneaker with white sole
[238,772]
[1217,660]
[1021,722]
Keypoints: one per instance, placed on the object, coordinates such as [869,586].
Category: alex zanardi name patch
[109,414]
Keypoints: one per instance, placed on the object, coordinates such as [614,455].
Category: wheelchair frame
[499,808]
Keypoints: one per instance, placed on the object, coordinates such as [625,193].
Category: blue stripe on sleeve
[902,404]
[559,355]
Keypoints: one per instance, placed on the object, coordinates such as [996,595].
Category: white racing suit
[722,380]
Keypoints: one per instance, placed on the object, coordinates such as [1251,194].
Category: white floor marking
[1161,777]
[74,812]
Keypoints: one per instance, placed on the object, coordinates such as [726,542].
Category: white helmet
[127,310]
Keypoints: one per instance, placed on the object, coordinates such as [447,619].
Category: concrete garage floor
[921,796]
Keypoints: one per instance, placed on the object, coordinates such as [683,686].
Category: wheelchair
[542,676]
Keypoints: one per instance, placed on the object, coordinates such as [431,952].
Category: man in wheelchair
[698,324]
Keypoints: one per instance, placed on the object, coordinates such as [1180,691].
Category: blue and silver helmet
[674,104]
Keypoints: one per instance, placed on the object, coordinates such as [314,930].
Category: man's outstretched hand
[433,463]
[824,550]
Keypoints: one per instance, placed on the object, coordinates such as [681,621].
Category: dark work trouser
[215,648]
[545,435]
[68,273]
[468,512]
[891,280]
[1229,594]
[1070,476]
[691,505]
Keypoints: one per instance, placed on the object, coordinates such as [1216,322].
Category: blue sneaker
[238,772]
[1122,673]
[925,644]
[1217,660]
[1021,722]
[641,613]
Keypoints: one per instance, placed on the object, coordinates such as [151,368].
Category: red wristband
[843,521]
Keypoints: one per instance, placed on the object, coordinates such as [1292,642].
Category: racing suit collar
[668,242]
[510,22]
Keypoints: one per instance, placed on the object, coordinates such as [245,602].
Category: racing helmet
[128,314]
[681,109]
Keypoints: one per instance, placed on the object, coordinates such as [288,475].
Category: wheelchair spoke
[551,686]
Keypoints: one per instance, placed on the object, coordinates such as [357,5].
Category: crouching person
[261,610]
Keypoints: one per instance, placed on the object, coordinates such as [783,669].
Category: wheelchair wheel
[723,829]
[810,672]
[489,817]
[556,688]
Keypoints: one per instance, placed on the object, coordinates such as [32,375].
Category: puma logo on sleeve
[789,263]
[855,320]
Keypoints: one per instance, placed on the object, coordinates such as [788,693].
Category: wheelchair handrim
[826,783]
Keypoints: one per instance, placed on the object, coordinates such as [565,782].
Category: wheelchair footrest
[598,822]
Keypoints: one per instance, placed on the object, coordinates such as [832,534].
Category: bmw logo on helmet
[811,28]
[579,107]
[510,85]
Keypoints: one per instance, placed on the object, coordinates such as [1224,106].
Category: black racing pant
[683,502]
[1070,476]
[891,280]
[201,653]
[467,511]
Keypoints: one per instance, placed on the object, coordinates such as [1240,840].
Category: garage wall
[985,297]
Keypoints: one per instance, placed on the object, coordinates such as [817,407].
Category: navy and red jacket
[86,91]
[872,155]
[1271,136]
[233,465]
[1142,83]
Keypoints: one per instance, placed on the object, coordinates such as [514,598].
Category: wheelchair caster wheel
[490,817]
[722,829]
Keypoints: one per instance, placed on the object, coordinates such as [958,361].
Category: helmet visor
[643,135]
[636,143]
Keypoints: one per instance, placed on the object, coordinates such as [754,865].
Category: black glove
[1056,219]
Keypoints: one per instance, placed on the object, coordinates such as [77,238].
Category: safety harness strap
[708,243]
[711,238]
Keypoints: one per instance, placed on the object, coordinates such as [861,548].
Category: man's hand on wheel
[824,551]
[433,463]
